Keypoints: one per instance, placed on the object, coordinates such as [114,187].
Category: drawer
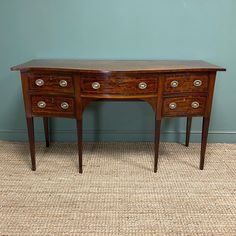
[197,82]
[53,83]
[119,85]
[53,105]
[182,106]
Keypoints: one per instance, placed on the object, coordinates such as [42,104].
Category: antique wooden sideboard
[63,88]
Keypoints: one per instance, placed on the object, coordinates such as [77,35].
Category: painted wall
[123,29]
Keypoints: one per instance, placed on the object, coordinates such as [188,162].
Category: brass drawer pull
[64,105]
[63,83]
[172,105]
[119,81]
[195,105]
[39,82]
[96,85]
[197,83]
[142,85]
[41,104]
[174,83]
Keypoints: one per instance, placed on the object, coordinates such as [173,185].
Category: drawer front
[53,83]
[186,83]
[182,106]
[119,85]
[53,105]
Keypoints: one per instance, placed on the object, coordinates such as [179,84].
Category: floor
[118,193]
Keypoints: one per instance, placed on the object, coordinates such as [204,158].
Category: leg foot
[80,143]
[157,143]
[205,127]
[30,126]
[188,130]
[46,130]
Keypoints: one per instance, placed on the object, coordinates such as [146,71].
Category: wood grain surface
[118,65]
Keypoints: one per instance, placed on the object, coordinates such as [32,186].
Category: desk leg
[157,142]
[46,132]
[188,130]
[205,127]
[30,126]
[80,143]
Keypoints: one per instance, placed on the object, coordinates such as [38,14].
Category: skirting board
[122,135]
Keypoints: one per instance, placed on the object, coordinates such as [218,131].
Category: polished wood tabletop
[119,65]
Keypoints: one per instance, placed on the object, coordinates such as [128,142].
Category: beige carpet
[118,193]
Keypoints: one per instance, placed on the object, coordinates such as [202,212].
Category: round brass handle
[96,85]
[172,105]
[41,104]
[195,105]
[197,83]
[39,82]
[119,81]
[142,85]
[63,83]
[64,105]
[174,83]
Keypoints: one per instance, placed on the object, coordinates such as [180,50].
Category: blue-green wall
[118,29]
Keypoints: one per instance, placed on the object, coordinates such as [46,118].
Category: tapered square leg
[205,127]
[157,143]
[46,130]
[188,130]
[30,126]
[80,143]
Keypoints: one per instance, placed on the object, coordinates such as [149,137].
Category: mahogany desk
[63,88]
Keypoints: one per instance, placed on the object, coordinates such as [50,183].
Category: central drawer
[122,85]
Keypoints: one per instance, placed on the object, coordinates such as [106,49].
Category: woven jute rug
[118,193]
